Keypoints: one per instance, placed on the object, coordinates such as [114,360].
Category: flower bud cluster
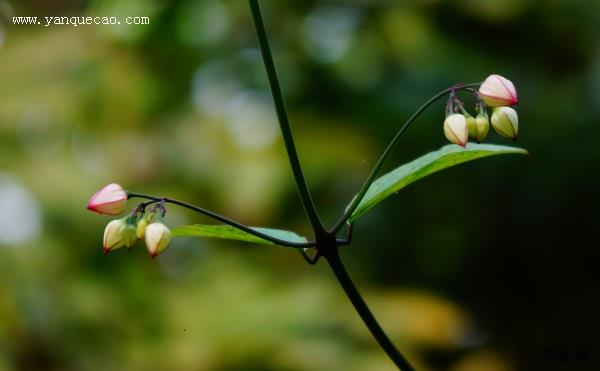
[136,226]
[495,92]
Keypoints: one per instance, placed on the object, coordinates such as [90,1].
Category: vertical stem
[333,258]
[284,124]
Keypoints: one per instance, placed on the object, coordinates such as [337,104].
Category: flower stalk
[372,176]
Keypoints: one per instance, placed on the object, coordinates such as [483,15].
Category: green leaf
[430,163]
[230,233]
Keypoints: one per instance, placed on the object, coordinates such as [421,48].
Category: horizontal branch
[224,220]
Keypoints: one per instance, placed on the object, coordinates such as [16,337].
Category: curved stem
[284,123]
[365,187]
[333,258]
[223,219]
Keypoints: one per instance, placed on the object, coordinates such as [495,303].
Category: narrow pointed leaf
[430,163]
[230,233]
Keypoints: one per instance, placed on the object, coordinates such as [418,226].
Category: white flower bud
[506,122]
[113,235]
[157,237]
[456,130]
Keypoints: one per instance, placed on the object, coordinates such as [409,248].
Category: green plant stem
[371,178]
[223,219]
[333,258]
[284,123]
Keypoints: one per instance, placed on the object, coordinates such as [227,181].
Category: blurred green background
[488,266]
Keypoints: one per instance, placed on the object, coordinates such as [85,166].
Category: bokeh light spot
[213,86]
[202,22]
[329,32]
[251,120]
[20,216]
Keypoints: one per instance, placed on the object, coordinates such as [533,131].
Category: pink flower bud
[109,200]
[157,237]
[456,129]
[496,91]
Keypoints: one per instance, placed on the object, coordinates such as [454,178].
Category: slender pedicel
[371,178]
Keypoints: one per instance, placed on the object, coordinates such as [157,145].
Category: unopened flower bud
[157,237]
[109,200]
[129,234]
[506,122]
[140,230]
[497,91]
[472,125]
[456,130]
[113,235]
[482,126]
